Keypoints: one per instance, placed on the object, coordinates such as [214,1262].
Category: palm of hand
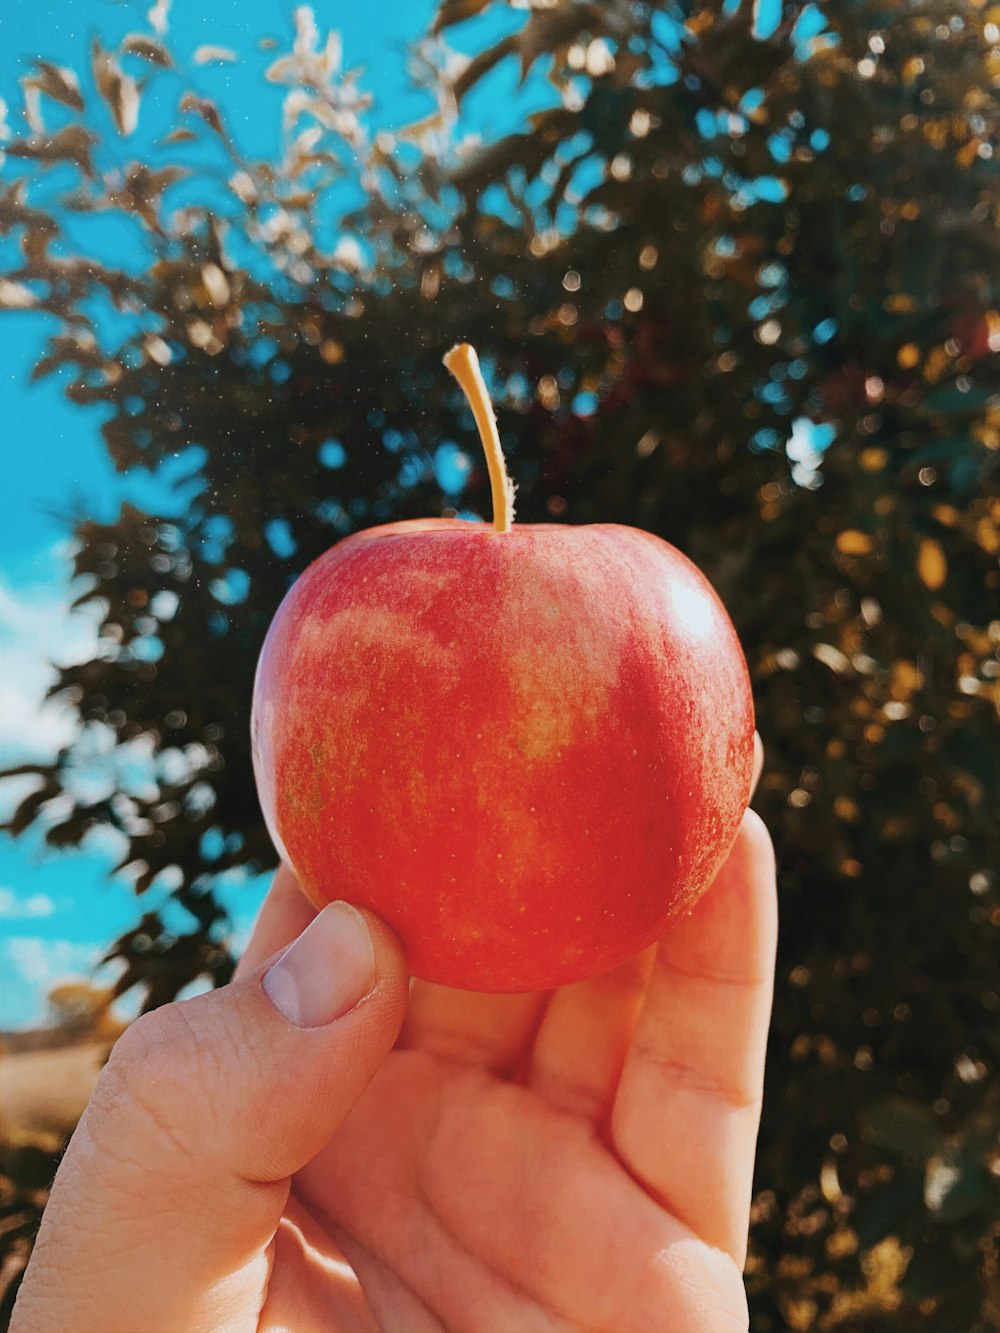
[549,1162]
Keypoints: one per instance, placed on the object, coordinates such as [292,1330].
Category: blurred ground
[43,1092]
[46,1078]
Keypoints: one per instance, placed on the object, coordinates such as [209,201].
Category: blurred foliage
[81,1011]
[26,1170]
[738,288]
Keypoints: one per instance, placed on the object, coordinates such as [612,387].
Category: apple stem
[464,365]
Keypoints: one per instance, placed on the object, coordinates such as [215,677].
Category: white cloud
[15,908]
[103,840]
[31,966]
[31,729]
[42,963]
[37,629]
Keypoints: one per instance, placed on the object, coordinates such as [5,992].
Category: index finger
[284,915]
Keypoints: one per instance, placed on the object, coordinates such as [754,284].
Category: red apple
[525,747]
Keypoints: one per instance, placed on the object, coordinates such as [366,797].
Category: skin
[578,1159]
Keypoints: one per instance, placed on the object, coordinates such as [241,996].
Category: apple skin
[524,750]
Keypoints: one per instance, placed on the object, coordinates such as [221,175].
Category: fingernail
[329,968]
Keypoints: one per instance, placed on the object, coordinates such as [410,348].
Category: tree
[735,287]
[80,1011]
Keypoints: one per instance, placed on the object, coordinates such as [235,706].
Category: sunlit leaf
[937,362]
[118,89]
[831,657]
[853,542]
[158,16]
[957,1182]
[873,459]
[932,564]
[16,296]
[306,32]
[242,185]
[205,55]
[286,69]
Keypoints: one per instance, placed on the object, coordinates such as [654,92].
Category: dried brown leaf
[70,144]
[148,48]
[179,136]
[206,108]
[480,65]
[451,12]
[119,90]
[142,190]
[57,82]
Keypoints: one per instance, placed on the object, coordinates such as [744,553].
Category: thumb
[173,1185]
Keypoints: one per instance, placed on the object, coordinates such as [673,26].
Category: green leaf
[903,1126]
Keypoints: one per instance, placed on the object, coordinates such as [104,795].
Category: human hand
[550,1162]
